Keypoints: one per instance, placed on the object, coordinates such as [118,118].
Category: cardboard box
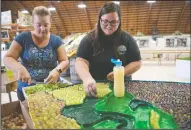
[11,86]
[25,111]
[17,106]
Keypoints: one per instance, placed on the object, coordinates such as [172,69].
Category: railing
[161,52]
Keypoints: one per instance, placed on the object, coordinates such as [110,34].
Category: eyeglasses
[112,23]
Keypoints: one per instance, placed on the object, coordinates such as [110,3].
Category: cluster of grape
[45,112]
[13,121]
[73,95]
[43,87]
[154,119]
[34,89]
[102,89]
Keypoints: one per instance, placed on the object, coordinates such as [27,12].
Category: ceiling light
[81,6]
[24,11]
[150,1]
[58,1]
[51,8]
[116,2]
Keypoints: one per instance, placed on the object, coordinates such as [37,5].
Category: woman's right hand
[24,75]
[90,87]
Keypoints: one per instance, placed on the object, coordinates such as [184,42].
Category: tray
[60,85]
[115,113]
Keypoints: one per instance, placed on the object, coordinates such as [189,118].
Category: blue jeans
[20,95]
[19,89]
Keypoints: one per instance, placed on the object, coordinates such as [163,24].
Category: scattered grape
[43,87]
[72,95]
[45,112]
[13,121]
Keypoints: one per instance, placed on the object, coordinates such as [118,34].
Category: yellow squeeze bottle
[119,86]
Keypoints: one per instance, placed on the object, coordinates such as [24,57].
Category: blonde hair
[41,11]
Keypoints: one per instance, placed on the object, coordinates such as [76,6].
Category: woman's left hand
[52,77]
[110,76]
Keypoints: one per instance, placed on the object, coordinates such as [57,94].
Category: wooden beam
[55,25]
[137,12]
[25,7]
[85,10]
[60,17]
[166,27]
[186,26]
[147,21]
[57,28]
[138,18]
[81,27]
[79,18]
[159,14]
[68,15]
[97,8]
[53,21]
[127,27]
[180,16]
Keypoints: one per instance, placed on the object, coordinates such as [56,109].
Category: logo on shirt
[121,50]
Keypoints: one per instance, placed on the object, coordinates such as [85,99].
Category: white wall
[160,44]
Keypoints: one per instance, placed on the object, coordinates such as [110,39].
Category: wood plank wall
[167,16]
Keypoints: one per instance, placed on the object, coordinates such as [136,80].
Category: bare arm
[63,65]
[10,60]
[129,69]
[132,67]
[62,59]
[82,69]
[12,55]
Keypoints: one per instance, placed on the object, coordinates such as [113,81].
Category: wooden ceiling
[168,16]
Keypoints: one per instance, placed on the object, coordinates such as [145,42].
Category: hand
[90,87]
[110,76]
[24,76]
[52,77]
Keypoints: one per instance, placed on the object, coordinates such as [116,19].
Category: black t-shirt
[121,47]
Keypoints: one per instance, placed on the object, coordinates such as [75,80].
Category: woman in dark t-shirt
[106,41]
